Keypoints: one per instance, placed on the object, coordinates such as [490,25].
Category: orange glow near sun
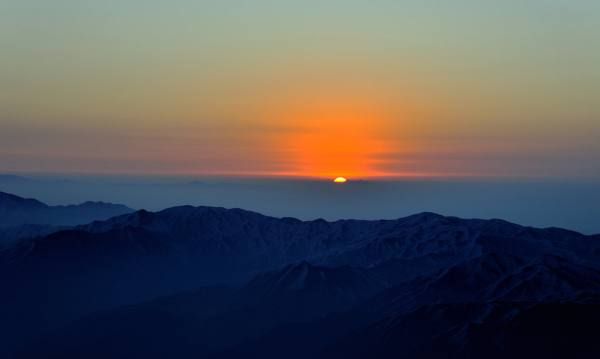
[333,136]
[335,129]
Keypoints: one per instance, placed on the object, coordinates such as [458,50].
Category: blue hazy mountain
[571,204]
[17,211]
[232,282]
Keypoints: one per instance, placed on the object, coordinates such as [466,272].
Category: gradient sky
[307,88]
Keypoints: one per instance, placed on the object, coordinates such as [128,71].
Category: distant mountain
[16,211]
[235,282]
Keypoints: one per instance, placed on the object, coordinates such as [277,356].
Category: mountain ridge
[17,211]
[286,278]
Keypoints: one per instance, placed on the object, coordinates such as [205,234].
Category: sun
[340,180]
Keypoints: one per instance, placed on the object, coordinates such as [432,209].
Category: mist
[570,205]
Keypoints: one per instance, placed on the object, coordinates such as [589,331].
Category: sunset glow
[334,132]
[297,89]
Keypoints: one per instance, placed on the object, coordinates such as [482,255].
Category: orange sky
[332,131]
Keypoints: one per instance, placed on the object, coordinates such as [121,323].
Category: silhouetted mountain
[307,311]
[309,291]
[209,320]
[16,211]
[479,330]
[315,286]
[8,235]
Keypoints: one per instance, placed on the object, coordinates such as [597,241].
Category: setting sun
[340,180]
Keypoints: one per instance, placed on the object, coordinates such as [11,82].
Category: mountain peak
[306,277]
[8,200]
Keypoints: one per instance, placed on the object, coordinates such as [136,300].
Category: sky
[363,89]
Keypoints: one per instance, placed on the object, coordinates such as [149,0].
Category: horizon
[570,204]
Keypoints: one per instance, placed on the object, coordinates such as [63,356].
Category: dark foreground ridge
[191,282]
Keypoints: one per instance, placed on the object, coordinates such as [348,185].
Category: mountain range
[28,218]
[16,211]
[220,283]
